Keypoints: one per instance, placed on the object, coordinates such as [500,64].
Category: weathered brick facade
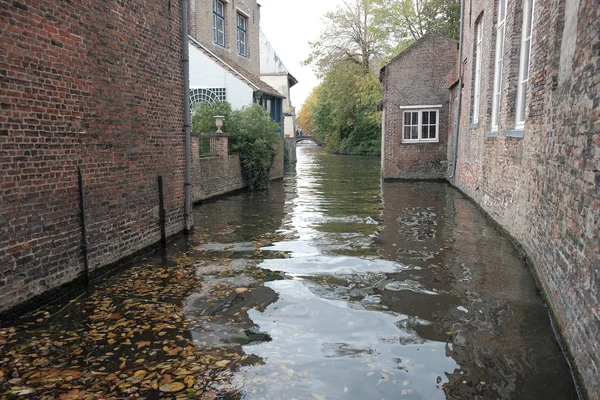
[542,183]
[96,85]
[419,76]
[202,29]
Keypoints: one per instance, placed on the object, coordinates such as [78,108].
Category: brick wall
[96,85]
[418,76]
[544,188]
[202,29]
[217,175]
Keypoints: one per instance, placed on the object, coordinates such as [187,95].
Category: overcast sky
[290,25]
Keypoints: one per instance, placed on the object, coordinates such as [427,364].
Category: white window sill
[491,134]
[404,141]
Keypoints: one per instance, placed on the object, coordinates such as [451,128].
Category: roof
[416,45]
[252,80]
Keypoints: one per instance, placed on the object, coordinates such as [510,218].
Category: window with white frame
[242,36]
[207,95]
[219,22]
[500,30]
[420,125]
[477,82]
[525,61]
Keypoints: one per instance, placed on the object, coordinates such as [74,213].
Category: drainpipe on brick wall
[459,96]
[187,213]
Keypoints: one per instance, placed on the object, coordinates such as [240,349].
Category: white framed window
[420,125]
[219,22]
[525,62]
[477,82]
[500,30]
[242,36]
[207,95]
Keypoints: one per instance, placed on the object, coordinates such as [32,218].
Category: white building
[216,78]
[275,74]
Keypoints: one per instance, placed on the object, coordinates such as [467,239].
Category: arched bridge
[308,138]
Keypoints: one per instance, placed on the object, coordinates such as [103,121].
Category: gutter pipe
[185,61]
[460,83]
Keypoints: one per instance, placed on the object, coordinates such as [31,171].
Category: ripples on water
[393,290]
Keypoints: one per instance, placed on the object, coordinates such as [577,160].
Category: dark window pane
[406,118]
[407,132]
[415,132]
[425,118]
[424,132]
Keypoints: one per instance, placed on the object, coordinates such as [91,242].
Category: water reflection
[393,289]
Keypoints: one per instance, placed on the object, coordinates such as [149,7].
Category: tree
[305,115]
[348,36]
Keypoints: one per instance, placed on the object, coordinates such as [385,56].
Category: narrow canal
[331,285]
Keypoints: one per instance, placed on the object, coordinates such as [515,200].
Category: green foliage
[203,119]
[256,133]
[345,115]
[357,38]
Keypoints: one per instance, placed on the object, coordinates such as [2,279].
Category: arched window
[211,95]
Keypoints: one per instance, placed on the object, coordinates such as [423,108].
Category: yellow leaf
[222,363]
[345,389]
[318,397]
[139,361]
[111,341]
[171,387]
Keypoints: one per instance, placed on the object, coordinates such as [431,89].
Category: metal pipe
[460,83]
[84,241]
[161,212]
[187,213]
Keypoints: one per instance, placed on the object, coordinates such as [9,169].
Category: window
[477,83]
[219,24]
[212,95]
[498,63]
[525,61]
[241,35]
[420,126]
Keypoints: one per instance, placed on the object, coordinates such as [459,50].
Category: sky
[290,25]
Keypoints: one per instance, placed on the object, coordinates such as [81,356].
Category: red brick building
[96,85]
[416,109]
[529,148]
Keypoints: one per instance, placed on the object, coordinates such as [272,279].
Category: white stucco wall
[206,73]
[270,63]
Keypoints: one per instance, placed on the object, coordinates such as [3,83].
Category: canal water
[386,291]
[331,285]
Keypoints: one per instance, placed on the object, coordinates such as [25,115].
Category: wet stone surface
[331,285]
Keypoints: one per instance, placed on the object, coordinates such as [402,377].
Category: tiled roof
[230,65]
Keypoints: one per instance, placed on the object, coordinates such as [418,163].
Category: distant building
[275,73]
[416,109]
[225,56]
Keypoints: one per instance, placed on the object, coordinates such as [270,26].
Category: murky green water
[393,290]
[331,285]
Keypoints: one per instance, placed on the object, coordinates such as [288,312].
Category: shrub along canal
[331,285]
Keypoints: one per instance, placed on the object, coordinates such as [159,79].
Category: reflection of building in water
[467,286]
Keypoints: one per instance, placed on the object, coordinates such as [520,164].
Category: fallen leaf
[318,397]
[171,387]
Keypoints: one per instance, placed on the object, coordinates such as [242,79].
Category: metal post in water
[84,241]
[161,213]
